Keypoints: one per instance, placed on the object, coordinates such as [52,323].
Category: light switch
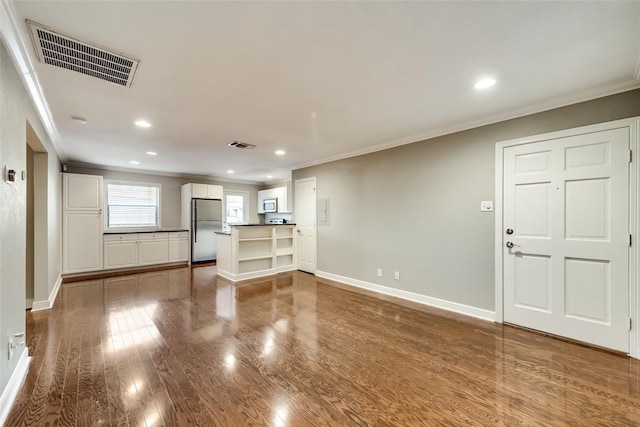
[486,206]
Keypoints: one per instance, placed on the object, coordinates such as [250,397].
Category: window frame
[133,183]
[245,205]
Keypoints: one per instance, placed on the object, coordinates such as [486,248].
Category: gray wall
[16,111]
[170,197]
[416,208]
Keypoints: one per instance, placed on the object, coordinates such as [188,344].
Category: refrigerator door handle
[195,221]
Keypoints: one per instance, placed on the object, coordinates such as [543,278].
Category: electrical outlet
[379,272]
[397,275]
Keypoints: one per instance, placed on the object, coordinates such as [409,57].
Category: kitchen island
[250,251]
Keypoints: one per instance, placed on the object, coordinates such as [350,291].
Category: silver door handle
[511,245]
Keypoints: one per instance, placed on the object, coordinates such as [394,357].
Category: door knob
[509,230]
[510,245]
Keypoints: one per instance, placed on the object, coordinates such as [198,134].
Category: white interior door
[566,212]
[305,218]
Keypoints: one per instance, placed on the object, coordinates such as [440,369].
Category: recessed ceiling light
[280,152]
[230,171]
[143,123]
[269,176]
[134,162]
[484,83]
[80,120]
[152,153]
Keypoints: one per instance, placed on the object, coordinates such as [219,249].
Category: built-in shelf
[255,251]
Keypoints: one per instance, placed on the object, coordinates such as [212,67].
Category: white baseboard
[29,303]
[13,386]
[48,303]
[467,310]
[254,274]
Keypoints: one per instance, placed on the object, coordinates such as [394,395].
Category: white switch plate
[486,206]
[379,272]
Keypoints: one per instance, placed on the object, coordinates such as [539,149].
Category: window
[132,205]
[235,211]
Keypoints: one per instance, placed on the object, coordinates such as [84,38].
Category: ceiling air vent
[66,52]
[242,145]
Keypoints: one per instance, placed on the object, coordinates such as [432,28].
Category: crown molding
[15,43]
[557,102]
[196,177]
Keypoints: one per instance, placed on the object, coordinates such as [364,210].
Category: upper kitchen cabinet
[205,191]
[279,193]
[81,192]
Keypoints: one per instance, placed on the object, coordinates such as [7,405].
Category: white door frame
[633,124]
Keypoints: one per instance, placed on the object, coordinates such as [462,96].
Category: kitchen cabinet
[279,193]
[203,191]
[179,246]
[153,249]
[120,250]
[127,250]
[82,223]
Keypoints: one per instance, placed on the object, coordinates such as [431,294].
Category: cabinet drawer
[128,237]
[153,236]
[179,235]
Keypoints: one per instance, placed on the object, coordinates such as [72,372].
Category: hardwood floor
[181,347]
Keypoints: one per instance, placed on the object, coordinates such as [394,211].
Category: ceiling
[320,80]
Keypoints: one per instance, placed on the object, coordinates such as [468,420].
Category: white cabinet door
[82,192]
[82,241]
[178,246]
[154,248]
[281,195]
[262,194]
[214,192]
[120,250]
[206,191]
[199,191]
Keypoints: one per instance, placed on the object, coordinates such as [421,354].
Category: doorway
[305,218]
[564,262]
[37,246]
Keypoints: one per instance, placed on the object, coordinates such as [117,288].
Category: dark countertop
[161,230]
[261,225]
[225,233]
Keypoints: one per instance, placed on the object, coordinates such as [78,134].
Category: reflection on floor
[184,347]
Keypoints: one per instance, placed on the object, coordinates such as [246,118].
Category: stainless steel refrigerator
[206,219]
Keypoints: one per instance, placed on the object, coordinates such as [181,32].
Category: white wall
[416,208]
[16,111]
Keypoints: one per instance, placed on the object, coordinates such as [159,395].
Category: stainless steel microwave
[270,205]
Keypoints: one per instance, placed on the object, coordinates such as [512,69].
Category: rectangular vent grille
[66,52]
[242,145]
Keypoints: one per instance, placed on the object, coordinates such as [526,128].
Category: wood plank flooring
[182,347]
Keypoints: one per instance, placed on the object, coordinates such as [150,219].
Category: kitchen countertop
[261,225]
[157,230]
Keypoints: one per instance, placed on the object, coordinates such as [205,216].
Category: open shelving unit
[257,251]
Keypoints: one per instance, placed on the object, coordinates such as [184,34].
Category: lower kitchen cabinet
[154,248]
[120,250]
[179,246]
[82,241]
[128,250]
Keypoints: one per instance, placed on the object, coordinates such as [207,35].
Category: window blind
[130,205]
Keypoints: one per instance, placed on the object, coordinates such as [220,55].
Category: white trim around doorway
[633,124]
